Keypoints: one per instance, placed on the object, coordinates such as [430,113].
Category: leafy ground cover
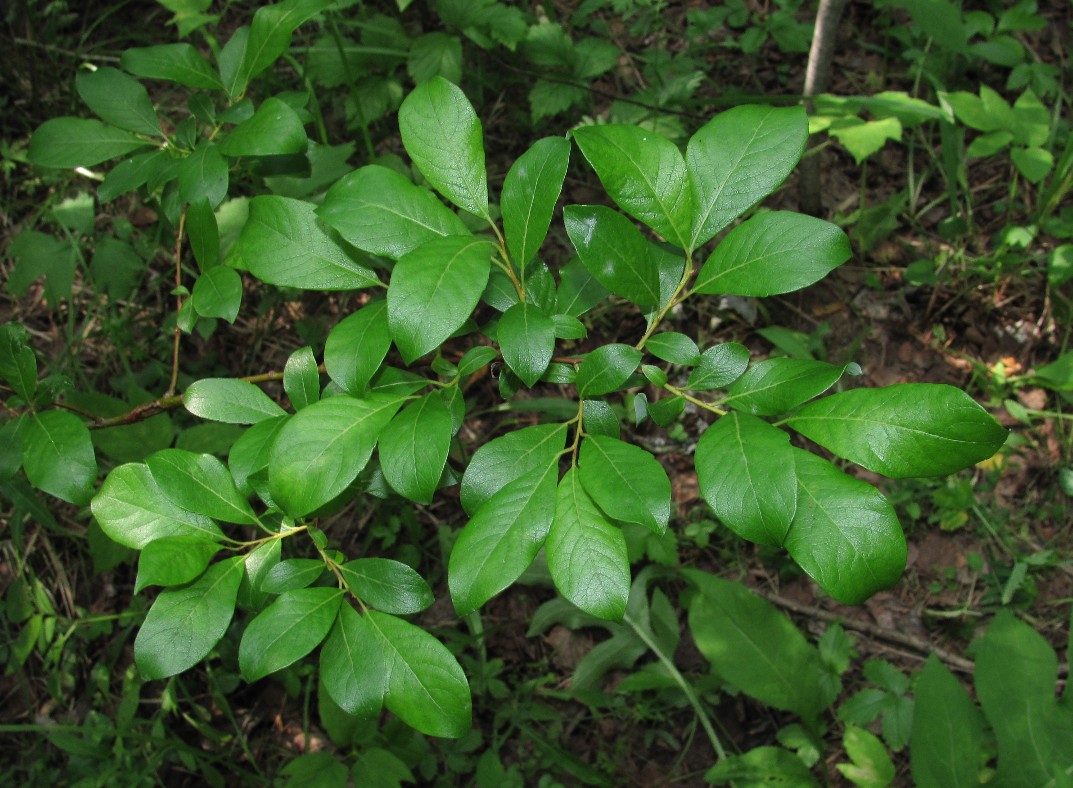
[945,158]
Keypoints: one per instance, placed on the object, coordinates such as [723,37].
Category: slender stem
[676,298]
[698,402]
[178,303]
[684,685]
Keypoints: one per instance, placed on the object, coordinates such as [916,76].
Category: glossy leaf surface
[133,511]
[645,175]
[739,157]
[185,623]
[284,244]
[58,455]
[527,339]
[745,469]
[230,401]
[614,252]
[772,253]
[356,347]
[530,191]
[414,446]
[504,459]
[322,448]
[443,136]
[199,483]
[910,429]
[845,533]
[434,290]
[389,586]
[586,553]
[776,385]
[382,212]
[625,481]
[287,630]
[352,667]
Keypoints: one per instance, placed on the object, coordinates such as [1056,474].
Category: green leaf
[614,252]
[606,369]
[475,358]
[772,253]
[287,630]
[645,175]
[435,54]
[947,730]
[173,560]
[761,767]
[218,293]
[230,401]
[434,290]
[270,35]
[249,454]
[1033,163]
[504,459]
[18,363]
[674,348]
[527,339]
[626,482]
[179,63]
[184,624]
[383,213]
[292,574]
[752,645]
[865,138]
[274,130]
[199,483]
[530,191]
[118,99]
[322,448]
[58,456]
[356,347]
[389,586]
[745,469]
[204,175]
[414,446]
[426,687]
[720,365]
[587,554]
[1015,677]
[910,429]
[845,533]
[301,378]
[204,234]
[579,290]
[739,157]
[777,385]
[79,142]
[284,244]
[133,511]
[871,767]
[502,538]
[443,136]
[37,255]
[352,665]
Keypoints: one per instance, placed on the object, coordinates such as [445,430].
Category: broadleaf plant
[436,297]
